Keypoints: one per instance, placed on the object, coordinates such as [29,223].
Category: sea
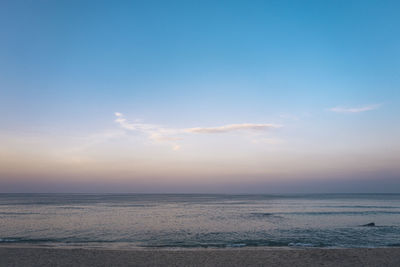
[200,220]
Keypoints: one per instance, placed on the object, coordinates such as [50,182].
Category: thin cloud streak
[356,109]
[161,134]
[232,128]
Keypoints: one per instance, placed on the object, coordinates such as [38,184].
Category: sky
[200,96]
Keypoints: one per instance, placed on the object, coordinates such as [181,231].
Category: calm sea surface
[136,220]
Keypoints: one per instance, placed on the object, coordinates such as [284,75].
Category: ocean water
[191,221]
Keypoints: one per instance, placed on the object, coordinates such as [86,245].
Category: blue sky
[325,72]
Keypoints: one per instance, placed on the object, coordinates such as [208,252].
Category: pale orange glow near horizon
[113,163]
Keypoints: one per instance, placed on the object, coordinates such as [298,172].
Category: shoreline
[167,248]
[21,255]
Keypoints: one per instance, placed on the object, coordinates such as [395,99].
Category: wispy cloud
[232,128]
[355,109]
[172,135]
[135,126]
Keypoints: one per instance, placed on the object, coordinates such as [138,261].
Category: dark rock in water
[368,224]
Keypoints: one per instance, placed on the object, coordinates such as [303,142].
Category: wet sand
[38,256]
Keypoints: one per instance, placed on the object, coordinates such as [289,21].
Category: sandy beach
[37,256]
